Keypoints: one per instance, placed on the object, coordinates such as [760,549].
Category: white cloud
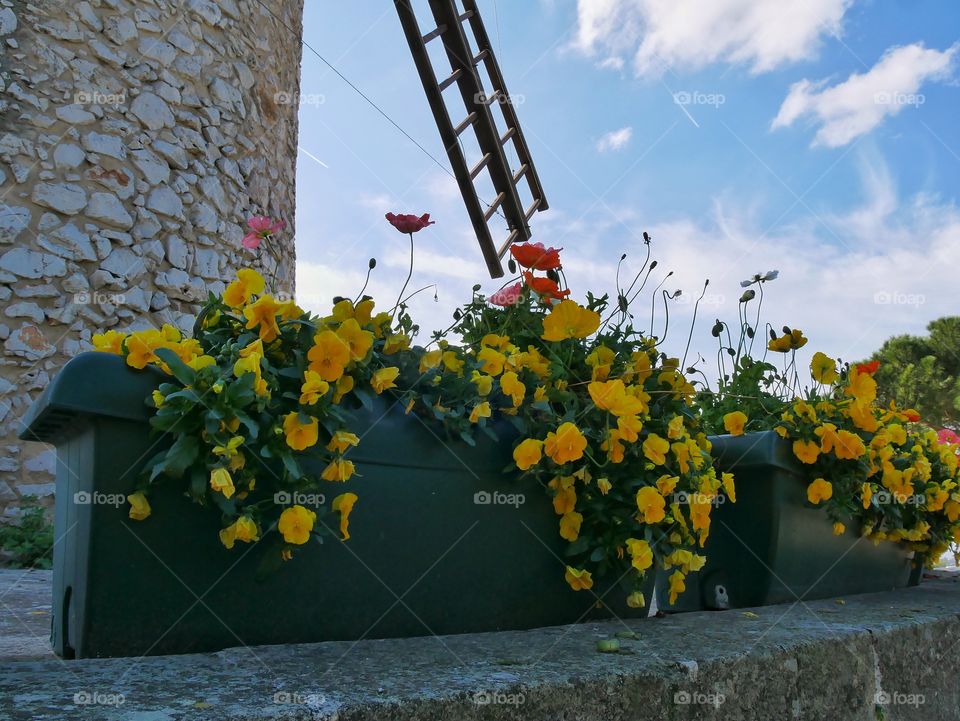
[659,34]
[862,101]
[850,280]
[615,140]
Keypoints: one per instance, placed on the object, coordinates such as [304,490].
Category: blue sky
[818,137]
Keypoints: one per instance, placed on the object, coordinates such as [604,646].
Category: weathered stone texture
[136,137]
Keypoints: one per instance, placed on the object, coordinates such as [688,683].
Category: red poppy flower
[868,368]
[544,286]
[409,223]
[534,255]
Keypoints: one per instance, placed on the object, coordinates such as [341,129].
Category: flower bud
[372,263]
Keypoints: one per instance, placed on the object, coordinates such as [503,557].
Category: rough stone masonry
[136,137]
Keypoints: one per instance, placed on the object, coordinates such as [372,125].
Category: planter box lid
[91,384]
[765,448]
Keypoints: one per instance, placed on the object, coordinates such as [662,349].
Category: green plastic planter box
[442,541]
[772,546]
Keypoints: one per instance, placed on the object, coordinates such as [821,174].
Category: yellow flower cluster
[249,340]
[904,483]
[616,440]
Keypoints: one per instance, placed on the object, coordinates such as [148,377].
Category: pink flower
[946,436]
[507,296]
[409,223]
[261,227]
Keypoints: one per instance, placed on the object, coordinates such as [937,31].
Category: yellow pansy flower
[342,440]
[636,600]
[823,368]
[483,382]
[139,506]
[866,492]
[570,526]
[614,397]
[396,343]
[313,389]
[819,490]
[338,471]
[655,449]
[838,528]
[201,361]
[452,362]
[384,379]
[511,386]
[528,453]
[567,444]
[229,450]
[734,422]
[806,451]
[677,585]
[629,428]
[221,481]
[244,529]
[491,361]
[329,355]
[430,359]
[613,446]
[343,504]
[564,500]
[666,483]
[300,435]
[641,555]
[344,385]
[358,340]
[568,319]
[651,505]
[295,524]
[481,410]
[604,486]
[263,316]
[109,342]
[729,487]
[578,579]
[248,283]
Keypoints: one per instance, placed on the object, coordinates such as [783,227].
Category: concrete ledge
[884,656]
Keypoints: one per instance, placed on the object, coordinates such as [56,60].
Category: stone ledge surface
[887,656]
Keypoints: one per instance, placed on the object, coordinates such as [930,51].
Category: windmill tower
[135,140]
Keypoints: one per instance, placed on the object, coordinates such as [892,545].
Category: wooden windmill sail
[464,60]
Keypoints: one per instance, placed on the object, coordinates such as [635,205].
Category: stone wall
[136,137]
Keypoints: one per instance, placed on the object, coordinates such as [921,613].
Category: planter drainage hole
[720,597]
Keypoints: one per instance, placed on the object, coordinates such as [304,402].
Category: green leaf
[290,463]
[182,453]
[365,396]
[240,393]
[198,484]
[253,429]
[181,371]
